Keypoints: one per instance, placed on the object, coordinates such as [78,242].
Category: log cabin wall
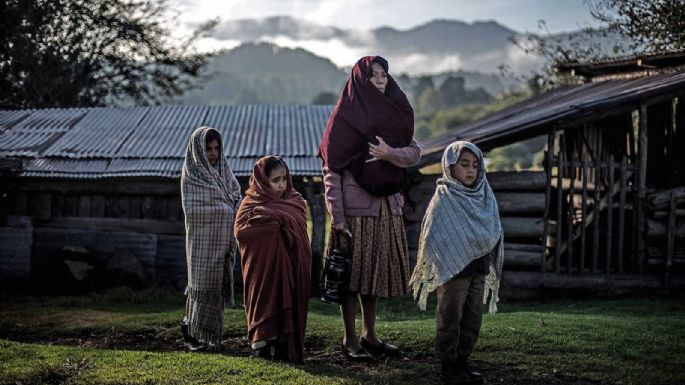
[44,222]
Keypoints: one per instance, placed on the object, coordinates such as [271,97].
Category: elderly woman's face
[378,77]
[213,151]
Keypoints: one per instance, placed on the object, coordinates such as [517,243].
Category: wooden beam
[117,186]
[610,211]
[517,180]
[520,203]
[521,258]
[670,240]
[113,224]
[584,220]
[603,282]
[662,199]
[595,220]
[548,194]
[659,229]
[621,214]
[521,227]
[641,186]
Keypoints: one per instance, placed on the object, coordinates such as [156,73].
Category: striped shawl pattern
[210,195]
[461,225]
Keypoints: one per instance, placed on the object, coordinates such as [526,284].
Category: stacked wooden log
[666,228]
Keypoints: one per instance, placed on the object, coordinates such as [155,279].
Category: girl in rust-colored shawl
[271,229]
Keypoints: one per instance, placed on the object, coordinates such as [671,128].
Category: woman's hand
[342,228]
[378,151]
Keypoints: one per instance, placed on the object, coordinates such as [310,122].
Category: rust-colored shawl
[276,260]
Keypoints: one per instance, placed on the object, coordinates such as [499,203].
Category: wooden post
[596,217]
[548,193]
[610,210]
[621,215]
[670,240]
[583,219]
[641,187]
[672,156]
[560,193]
[571,212]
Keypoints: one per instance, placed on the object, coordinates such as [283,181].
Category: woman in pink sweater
[366,148]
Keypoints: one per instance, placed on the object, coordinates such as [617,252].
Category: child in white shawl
[460,254]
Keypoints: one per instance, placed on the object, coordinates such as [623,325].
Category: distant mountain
[266,73]
[288,60]
[437,46]
[434,47]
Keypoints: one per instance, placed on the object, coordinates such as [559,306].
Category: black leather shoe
[379,350]
[360,355]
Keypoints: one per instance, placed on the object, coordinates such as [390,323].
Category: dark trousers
[458,317]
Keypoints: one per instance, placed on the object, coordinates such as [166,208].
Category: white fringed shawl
[461,224]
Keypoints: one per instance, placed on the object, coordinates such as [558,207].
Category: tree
[67,53]
[651,25]
[634,27]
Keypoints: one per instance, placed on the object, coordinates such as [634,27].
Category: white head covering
[461,225]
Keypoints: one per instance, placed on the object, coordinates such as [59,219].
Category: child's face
[278,180]
[213,151]
[466,168]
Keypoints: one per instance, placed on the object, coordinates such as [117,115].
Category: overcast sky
[519,15]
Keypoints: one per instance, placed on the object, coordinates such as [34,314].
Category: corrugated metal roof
[99,134]
[152,141]
[10,118]
[31,135]
[534,116]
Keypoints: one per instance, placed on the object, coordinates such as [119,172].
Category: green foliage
[78,53]
[451,118]
[650,25]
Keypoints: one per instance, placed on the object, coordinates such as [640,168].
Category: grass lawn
[128,337]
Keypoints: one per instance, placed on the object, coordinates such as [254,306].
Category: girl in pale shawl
[210,194]
[460,254]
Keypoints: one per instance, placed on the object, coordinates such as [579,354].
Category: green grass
[127,337]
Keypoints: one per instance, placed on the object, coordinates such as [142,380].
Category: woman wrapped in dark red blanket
[271,229]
